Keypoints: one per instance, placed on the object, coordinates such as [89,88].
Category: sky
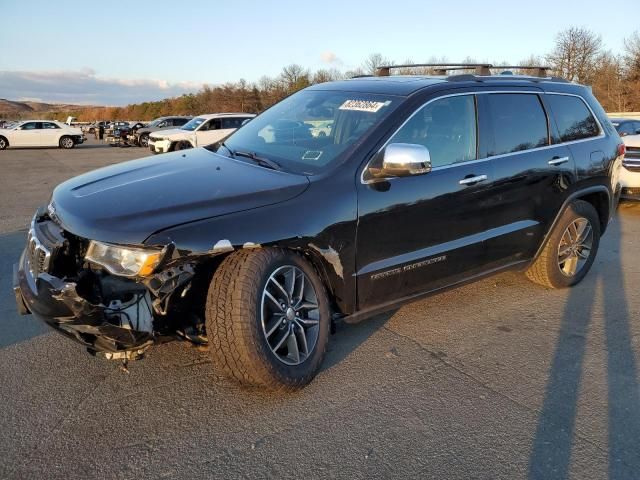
[89,53]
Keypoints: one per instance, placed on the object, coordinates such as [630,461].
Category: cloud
[85,87]
[330,58]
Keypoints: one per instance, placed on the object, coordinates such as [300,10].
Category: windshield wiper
[222,144]
[265,162]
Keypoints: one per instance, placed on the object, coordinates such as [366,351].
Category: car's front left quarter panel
[319,223]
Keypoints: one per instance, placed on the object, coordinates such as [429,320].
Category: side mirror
[404,160]
[638,131]
[245,121]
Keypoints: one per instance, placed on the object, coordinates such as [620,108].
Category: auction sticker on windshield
[363,105]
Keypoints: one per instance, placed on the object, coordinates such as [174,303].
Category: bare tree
[325,75]
[609,82]
[632,55]
[294,77]
[576,54]
[373,62]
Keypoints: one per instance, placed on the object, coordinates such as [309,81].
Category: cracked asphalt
[500,379]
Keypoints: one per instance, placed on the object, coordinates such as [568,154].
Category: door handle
[472,180]
[558,160]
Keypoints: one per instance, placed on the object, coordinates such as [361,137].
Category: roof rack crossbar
[538,70]
[439,68]
[482,69]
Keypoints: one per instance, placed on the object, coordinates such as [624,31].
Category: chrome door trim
[478,160]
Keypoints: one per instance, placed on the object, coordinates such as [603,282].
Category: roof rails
[481,69]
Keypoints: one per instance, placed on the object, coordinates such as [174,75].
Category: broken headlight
[125,261]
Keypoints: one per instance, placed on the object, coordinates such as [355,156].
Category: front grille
[630,192]
[44,241]
[38,255]
[632,164]
[632,153]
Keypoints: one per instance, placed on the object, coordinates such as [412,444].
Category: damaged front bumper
[59,305]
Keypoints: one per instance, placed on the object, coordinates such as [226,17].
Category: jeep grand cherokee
[344,200]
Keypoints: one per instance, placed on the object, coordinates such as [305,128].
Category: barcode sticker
[363,105]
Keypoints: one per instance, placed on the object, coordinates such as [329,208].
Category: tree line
[579,55]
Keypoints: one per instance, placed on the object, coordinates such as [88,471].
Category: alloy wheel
[575,246]
[290,315]
[67,142]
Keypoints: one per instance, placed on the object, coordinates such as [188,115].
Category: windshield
[308,131]
[192,124]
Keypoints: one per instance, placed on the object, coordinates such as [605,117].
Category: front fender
[320,224]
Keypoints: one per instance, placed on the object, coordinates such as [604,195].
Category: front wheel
[182,145]
[570,249]
[4,143]
[267,318]
[144,140]
[66,142]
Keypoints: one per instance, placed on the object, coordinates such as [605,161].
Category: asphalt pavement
[501,379]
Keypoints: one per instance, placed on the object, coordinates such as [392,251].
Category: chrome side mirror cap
[404,160]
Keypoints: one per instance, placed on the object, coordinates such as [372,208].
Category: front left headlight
[124,261]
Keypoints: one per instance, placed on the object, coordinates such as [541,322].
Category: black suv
[141,136]
[344,200]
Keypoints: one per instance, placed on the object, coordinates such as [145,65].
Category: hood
[172,132]
[127,202]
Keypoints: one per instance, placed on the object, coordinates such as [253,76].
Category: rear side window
[233,122]
[447,127]
[519,122]
[211,125]
[575,121]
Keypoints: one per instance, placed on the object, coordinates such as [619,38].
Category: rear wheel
[571,248]
[267,319]
[4,143]
[66,142]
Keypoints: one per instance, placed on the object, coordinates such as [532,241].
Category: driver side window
[211,125]
[447,127]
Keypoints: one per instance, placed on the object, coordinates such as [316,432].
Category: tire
[241,346]
[144,140]
[4,143]
[548,270]
[66,142]
[182,145]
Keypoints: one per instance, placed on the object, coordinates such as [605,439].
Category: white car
[199,131]
[630,171]
[40,133]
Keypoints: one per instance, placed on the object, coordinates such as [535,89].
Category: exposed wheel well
[600,201]
[207,269]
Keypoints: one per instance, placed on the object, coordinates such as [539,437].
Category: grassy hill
[23,109]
